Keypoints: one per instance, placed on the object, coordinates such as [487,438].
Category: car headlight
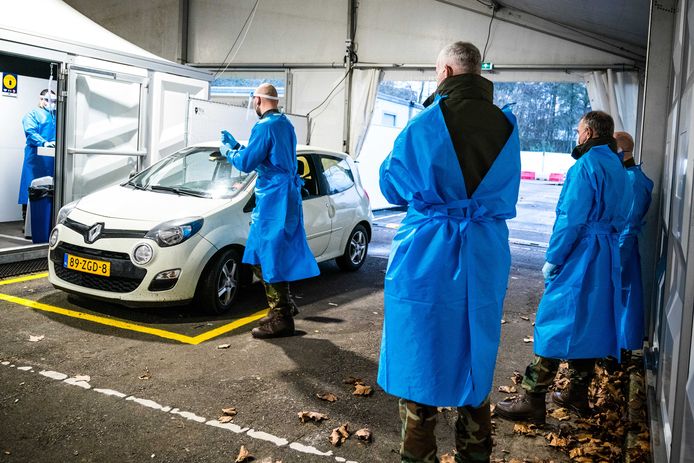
[175,231]
[53,240]
[64,211]
[142,254]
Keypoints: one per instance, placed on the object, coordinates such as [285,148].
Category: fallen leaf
[327,396]
[36,338]
[223,346]
[517,378]
[447,458]
[363,434]
[312,416]
[339,435]
[230,411]
[508,389]
[522,428]
[528,339]
[560,414]
[145,376]
[556,441]
[225,419]
[362,390]
[244,455]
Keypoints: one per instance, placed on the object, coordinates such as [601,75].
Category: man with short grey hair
[456,166]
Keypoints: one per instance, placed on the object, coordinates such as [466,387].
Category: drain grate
[19,268]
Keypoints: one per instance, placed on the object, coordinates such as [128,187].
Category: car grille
[125,277]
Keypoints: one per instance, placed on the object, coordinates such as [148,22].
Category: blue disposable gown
[39,128]
[632,324]
[277,239]
[581,309]
[448,267]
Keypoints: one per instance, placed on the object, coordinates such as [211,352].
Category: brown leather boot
[279,324]
[528,407]
[573,397]
[294,310]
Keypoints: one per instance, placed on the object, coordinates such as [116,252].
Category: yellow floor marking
[138,328]
[35,276]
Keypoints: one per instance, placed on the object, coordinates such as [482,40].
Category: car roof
[299,148]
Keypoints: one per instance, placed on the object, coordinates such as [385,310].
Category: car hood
[150,206]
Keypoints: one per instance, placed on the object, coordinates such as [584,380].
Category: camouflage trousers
[278,295]
[539,375]
[473,433]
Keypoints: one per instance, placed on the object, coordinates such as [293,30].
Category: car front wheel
[355,251]
[219,285]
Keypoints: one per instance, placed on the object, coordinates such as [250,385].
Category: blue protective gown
[581,309]
[39,128]
[632,324]
[277,239]
[448,267]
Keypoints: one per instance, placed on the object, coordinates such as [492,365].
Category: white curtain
[616,93]
[364,90]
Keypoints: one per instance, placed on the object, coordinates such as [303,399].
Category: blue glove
[224,150]
[229,139]
[549,271]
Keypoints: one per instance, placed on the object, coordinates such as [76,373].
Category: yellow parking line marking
[35,276]
[229,327]
[132,326]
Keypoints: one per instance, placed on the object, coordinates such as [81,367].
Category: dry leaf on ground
[560,414]
[523,428]
[363,434]
[362,390]
[517,378]
[339,435]
[312,416]
[230,411]
[556,441]
[36,338]
[508,389]
[328,396]
[225,419]
[244,455]
[447,458]
[145,376]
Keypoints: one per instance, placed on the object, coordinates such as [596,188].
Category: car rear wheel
[219,285]
[355,251]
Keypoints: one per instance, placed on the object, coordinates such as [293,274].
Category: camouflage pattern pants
[473,433]
[539,375]
[278,295]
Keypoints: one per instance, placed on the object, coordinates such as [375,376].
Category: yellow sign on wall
[9,84]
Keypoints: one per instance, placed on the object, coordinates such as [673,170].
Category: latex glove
[49,144]
[229,139]
[549,271]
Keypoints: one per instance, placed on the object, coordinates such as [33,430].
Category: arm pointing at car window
[276,247]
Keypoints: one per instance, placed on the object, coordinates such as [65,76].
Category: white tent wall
[616,93]
[282,31]
[310,87]
[364,90]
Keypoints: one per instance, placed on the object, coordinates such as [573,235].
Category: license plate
[96,267]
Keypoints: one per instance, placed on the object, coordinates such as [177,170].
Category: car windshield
[196,171]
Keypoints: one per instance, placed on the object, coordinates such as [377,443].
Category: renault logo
[93,233]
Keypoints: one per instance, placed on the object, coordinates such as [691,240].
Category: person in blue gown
[39,129]
[276,246]
[456,166]
[640,188]
[579,315]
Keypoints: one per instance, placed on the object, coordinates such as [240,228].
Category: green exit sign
[487,66]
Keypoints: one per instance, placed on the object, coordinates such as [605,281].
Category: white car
[175,232]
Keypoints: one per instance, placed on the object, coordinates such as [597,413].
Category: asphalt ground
[107,384]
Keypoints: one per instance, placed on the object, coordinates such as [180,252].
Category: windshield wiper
[180,191]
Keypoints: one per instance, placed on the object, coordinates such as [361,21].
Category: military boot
[574,397]
[279,323]
[293,310]
[528,407]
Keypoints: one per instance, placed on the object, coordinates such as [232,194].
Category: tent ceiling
[619,20]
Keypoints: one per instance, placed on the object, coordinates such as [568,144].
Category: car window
[202,171]
[307,172]
[337,174]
